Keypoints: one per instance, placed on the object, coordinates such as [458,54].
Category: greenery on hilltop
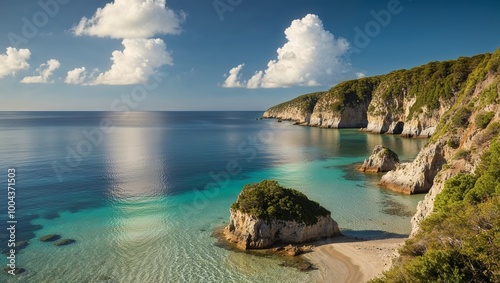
[350,93]
[305,103]
[460,241]
[268,200]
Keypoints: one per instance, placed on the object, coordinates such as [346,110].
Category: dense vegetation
[460,241]
[304,103]
[350,93]
[268,200]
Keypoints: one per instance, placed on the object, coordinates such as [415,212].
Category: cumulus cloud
[131,19]
[76,76]
[233,78]
[139,60]
[312,56]
[14,60]
[44,72]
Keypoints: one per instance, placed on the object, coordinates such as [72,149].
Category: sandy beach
[346,259]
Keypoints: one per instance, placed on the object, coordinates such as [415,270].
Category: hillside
[408,102]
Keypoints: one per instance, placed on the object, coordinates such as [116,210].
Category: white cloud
[131,19]
[232,79]
[76,76]
[139,60]
[14,60]
[312,56]
[45,71]
[360,75]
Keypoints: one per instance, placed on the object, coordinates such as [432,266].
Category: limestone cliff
[266,214]
[250,232]
[299,109]
[463,145]
[406,102]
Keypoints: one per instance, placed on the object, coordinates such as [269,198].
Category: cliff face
[250,232]
[463,145]
[300,109]
[406,102]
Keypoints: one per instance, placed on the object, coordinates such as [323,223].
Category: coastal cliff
[454,234]
[266,214]
[299,109]
[406,102]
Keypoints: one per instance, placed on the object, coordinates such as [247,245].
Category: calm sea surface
[142,192]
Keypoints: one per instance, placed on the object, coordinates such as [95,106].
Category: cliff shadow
[353,236]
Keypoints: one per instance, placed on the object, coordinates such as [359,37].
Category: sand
[345,259]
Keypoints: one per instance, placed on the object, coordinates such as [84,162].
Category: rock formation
[382,159]
[250,232]
[416,177]
[287,217]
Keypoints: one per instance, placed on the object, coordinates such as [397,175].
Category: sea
[141,193]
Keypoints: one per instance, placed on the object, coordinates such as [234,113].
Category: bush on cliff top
[268,200]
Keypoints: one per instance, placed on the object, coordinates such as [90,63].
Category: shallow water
[142,200]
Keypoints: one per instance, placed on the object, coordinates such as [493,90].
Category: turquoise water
[142,204]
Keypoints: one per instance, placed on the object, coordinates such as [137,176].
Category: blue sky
[220,54]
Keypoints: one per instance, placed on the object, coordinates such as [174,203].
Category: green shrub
[454,142]
[454,191]
[483,119]
[461,117]
[268,200]
[462,154]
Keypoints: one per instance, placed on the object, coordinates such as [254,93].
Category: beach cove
[138,195]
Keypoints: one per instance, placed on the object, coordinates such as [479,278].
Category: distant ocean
[141,192]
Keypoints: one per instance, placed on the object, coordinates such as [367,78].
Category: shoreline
[342,259]
[347,259]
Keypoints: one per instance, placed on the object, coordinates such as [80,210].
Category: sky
[183,55]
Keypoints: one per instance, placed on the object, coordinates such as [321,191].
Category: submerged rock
[266,214]
[21,245]
[64,242]
[50,238]
[382,159]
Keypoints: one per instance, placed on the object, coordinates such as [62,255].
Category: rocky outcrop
[382,159]
[250,232]
[418,176]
